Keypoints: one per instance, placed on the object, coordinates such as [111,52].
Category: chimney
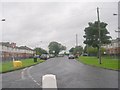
[13,45]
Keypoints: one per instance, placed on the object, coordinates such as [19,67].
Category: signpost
[16,64]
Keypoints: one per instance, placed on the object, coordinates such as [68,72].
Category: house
[113,48]
[9,50]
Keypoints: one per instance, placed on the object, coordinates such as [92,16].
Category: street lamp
[117,31]
[115,14]
[3,19]
[37,46]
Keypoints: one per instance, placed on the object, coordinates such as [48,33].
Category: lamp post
[117,31]
[37,46]
[115,14]
[3,19]
[13,47]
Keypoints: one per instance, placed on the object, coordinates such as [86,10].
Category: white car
[71,56]
[48,56]
[44,56]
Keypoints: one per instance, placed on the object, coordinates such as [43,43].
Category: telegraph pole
[76,40]
[99,35]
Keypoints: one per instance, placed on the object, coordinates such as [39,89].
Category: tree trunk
[98,52]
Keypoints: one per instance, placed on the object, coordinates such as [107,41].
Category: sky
[36,24]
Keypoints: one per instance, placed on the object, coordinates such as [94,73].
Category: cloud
[29,23]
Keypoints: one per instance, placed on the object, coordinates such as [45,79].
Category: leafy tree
[85,49]
[93,50]
[103,50]
[76,50]
[40,51]
[92,34]
[56,47]
[66,53]
[71,50]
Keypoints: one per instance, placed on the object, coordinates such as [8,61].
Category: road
[69,74]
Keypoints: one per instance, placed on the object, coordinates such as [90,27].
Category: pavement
[69,74]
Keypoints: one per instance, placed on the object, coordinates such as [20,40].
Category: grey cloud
[30,23]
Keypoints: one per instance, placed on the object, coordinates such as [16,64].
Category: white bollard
[49,81]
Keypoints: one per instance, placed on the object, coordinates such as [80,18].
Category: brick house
[113,48]
[8,50]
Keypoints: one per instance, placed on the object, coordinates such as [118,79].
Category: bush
[94,51]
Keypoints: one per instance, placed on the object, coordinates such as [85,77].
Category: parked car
[51,55]
[60,55]
[84,54]
[48,56]
[44,56]
[36,56]
[71,56]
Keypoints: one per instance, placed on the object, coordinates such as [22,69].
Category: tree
[76,50]
[71,50]
[85,49]
[92,34]
[40,51]
[92,51]
[56,47]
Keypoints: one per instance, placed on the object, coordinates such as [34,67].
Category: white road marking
[38,84]
[22,74]
[28,72]
[49,81]
[34,80]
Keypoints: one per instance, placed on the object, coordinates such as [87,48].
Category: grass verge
[8,66]
[107,63]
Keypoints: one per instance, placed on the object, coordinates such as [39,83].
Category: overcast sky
[37,23]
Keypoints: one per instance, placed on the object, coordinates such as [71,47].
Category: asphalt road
[69,74]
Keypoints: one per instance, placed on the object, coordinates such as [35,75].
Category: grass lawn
[8,66]
[108,63]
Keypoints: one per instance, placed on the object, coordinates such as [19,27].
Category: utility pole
[76,40]
[99,35]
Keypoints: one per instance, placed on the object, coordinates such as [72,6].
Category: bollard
[49,81]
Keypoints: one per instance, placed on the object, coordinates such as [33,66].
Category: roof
[115,40]
[5,44]
[25,47]
[8,44]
